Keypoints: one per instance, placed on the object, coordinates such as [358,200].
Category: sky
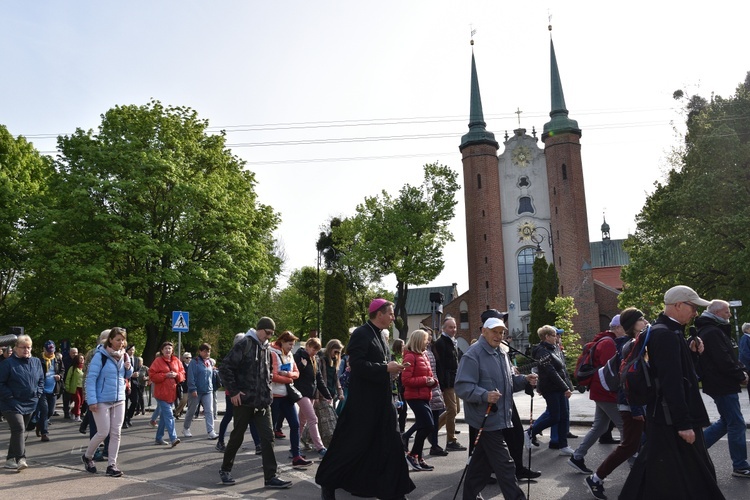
[329,101]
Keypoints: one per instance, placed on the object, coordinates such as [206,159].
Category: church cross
[518,112]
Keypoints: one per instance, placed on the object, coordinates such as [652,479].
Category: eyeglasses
[267,332]
[692,306]
[23,347]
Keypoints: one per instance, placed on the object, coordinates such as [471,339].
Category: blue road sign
[180,321]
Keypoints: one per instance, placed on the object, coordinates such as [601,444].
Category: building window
[525,276]
[524,205]
[479,181]
[523,181]
[564,171]
[463,315]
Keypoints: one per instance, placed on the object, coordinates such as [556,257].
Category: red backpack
[586,367]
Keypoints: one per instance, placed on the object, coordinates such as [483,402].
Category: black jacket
[720,369]
[310,380]
[446,361]
[553,376]
[672,363]
[247,369]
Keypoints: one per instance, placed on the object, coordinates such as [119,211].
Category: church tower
[568,217]
[484,236]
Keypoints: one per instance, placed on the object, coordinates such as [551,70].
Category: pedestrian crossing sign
[180,321]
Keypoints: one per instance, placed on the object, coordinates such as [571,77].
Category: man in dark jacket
[247,379]
[674,462]
[446,360]
[722,374]
[366,455]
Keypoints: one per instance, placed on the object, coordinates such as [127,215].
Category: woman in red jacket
[165,373]
[418,381]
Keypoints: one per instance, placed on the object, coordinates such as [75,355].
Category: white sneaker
[22,464]
[527,439]
[567,451]
[187,433]
[11,464]
[212,435]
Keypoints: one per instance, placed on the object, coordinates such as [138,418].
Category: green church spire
[559,123]
[477,134]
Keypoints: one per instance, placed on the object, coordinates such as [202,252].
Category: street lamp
[538,239]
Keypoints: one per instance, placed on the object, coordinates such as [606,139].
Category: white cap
[494,323]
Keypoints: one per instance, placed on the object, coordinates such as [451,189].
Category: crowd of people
[340,400]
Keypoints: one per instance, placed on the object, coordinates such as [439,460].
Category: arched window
[524,205]
[463,315]
[525,276]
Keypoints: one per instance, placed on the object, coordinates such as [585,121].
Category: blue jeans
[282,408]
[556,416]
[732,423]
[166,421]
[423,424]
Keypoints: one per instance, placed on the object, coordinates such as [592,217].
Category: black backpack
[635,374]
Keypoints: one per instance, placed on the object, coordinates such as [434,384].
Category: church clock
[521,156]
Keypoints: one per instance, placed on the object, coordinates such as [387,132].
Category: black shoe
[571,435]
[278,483]
[437,451]
[526,473]
[535,441]
[456,432]
[113,471]
[555,446]
[454,446]
[597,489]
[226,477]
[579,465]
[89,464]
[741,473]
[327,493]
[492,480]
[608,440]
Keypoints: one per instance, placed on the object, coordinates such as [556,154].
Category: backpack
[635,376]
[585,368]
[609,374]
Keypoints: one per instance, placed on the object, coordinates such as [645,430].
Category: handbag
[292,394]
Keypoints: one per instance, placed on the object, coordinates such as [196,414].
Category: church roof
[608,253]
[559,123]
[418,299]
[478,133]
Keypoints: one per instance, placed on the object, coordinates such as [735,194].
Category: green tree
[405,235]
[296,306]
[151,214]
[564,309]
[537,307]
[692,228]
[23,181]
[335,317]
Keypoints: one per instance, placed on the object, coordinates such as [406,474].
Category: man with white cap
[674,462]
[485,382]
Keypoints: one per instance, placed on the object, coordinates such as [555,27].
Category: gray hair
[746,327]
[717,305]
[25,339]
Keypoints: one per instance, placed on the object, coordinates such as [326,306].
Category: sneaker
[735,472]
[527,439]
[175,443]
[597,489]
[187,433]
[567,451]
[160,442]
[579,465]
[412,461]
[76,419]
[526,473]
[113,471]
[322,452]
[437,451]
[220,446]
[424,465]
[300,463]
[45,438]
[152,423]
[226,477]
[22,464]
[212,435]
[258,450]
[89,464]
[454,446]
[278,483]
[11,464]
[279,435]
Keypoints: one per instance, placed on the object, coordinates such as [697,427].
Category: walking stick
[531,424]
[474,448]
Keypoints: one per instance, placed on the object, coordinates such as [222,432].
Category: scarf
[116,355]
[48,359]
[716,318]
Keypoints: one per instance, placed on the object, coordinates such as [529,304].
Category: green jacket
[74,380]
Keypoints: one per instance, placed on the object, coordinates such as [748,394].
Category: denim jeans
[732,423]
[207,401]
[553,430]
[556,416]
[46,408]
[281,409]
[166,421]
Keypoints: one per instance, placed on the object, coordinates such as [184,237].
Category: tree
[296,306]
[545,288]
[23,181]
[150,215]
[403,236]
[692,228]
[564,309]
[335,318]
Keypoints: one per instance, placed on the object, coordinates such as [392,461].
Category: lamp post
[538,239]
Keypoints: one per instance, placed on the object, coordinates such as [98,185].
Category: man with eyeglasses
[674,461]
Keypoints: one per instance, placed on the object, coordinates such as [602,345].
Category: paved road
[191,470]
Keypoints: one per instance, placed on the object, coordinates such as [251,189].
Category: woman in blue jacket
[21,385]
[105,395]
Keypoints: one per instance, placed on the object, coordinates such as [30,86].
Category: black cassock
[366,456]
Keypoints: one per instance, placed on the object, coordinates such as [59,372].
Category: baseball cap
[682,293]
[615,321]
[494,323]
